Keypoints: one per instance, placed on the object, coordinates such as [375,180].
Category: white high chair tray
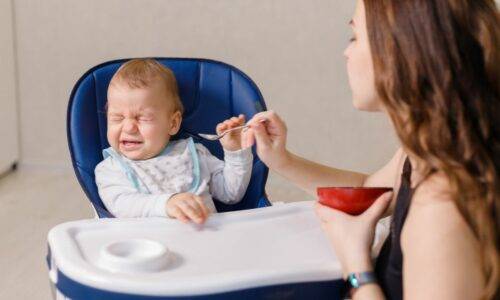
[231,251]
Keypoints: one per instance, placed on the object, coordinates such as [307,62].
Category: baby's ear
[175,123]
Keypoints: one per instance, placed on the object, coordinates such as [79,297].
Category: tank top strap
[407,169]
[390,261]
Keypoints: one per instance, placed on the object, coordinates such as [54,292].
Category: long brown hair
[437,72]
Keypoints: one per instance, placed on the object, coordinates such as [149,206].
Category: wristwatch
[355,280]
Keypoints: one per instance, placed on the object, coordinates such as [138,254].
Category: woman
[433,68]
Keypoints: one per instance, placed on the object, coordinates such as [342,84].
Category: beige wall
[8,112]
[291,48]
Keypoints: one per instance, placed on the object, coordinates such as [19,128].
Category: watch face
[353,281]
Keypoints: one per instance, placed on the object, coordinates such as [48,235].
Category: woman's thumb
[261,136]
[379,206]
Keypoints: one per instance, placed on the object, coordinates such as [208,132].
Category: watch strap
[355,280]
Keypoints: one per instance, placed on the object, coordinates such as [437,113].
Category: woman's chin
[371,106]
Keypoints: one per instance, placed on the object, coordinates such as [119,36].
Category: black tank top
[389,265]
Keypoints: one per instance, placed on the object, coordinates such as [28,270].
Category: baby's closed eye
[145,116]
[115,117]
[145,119]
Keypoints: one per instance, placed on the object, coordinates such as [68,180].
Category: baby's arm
[121,198]
[229,178]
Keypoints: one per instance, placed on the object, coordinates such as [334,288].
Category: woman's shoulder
[437,237]
[433,203]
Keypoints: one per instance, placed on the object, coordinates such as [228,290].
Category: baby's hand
[232,140]
[187,207]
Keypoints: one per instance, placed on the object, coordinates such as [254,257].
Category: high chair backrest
[210,91]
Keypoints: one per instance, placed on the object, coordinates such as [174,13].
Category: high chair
[210,91]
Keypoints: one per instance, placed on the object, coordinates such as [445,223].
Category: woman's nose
[348,50]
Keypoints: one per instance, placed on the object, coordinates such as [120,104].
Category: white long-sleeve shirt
[141,188]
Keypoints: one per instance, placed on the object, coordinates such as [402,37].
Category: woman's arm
[352,237]
[369,291]
[309,175]
[270,138]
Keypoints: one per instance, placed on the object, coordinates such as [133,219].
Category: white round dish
[134,256]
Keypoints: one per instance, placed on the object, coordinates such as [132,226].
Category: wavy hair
[437,73]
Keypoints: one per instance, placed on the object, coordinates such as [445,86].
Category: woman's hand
[352,236]
[270,136]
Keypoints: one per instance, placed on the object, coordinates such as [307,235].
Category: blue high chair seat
[211,92]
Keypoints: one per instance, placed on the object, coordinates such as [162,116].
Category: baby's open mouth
[128,144]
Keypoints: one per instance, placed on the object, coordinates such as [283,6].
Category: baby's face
[140,120]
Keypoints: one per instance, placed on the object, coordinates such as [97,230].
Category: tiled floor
[32,202]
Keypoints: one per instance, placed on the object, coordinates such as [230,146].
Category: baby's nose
[130,126]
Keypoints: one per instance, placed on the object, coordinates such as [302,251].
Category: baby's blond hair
[141,72]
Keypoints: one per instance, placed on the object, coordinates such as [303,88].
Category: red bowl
[351,200]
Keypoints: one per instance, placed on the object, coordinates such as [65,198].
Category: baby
[144,173]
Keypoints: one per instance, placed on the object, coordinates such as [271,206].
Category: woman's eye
[352,39]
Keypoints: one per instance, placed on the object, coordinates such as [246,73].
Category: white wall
[9,151]
[291,48]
